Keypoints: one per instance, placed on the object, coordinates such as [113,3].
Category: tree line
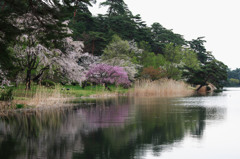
[44,40]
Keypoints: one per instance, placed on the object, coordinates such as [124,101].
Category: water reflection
[112,128]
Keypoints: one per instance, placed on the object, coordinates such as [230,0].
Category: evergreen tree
[115,7]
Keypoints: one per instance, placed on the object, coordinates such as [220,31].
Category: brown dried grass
[47,97]
[39,97]
[161,88]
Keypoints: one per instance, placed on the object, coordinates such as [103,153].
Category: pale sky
[217,20]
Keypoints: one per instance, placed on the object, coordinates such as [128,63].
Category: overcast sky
[217,20]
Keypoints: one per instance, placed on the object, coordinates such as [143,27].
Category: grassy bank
[93,91]
[40,96]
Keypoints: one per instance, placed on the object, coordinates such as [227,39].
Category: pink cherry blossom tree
[107,74]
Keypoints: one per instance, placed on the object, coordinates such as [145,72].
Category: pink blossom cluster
[107,74]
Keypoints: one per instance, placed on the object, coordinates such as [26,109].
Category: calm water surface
[185,128]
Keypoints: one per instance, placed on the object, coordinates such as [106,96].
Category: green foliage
[162,36]
[20,106]
[173,53]
[214,72]
[235,74]
[233,82]
[198,46]
[184,57]
[150,59]
[173,71]
[117,48]
[109,35]
[115,7]
[233,78]
[190,59]
[179,59]
[6,95]
[93,41]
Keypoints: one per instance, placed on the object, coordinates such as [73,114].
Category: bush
[19,106]
[7,95]
[153,73]
[48,83]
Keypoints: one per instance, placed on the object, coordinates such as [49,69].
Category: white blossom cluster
[65,63]
[3,79]
[134,49]
[87,60]
[30,53]
[30,21]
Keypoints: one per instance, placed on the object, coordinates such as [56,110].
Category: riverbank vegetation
[41,96]
[161,88]
[61,43]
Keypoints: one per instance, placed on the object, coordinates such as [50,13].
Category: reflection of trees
[113,128]
[45,134]
[157,122]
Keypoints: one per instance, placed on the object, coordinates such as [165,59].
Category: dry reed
[161,88]
[43,97]
[47,97]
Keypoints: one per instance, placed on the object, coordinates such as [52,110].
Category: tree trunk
[28,80]
[75,12]
[106,87]
[84,84]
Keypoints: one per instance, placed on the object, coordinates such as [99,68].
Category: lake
[196,127]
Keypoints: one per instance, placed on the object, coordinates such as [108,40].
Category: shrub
[153,73]
[19,106]
[7,95]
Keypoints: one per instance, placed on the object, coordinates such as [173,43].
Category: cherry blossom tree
[3,79]
[127,65]
[86,60]
[107,74]
[37,59]
[123,53]
[34,59]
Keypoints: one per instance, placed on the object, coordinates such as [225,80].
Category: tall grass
[40,96]
[95,91]
[161,88]
[47,97]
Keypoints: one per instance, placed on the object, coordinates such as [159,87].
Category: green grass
[19,93]
[39,94]
[92,90]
